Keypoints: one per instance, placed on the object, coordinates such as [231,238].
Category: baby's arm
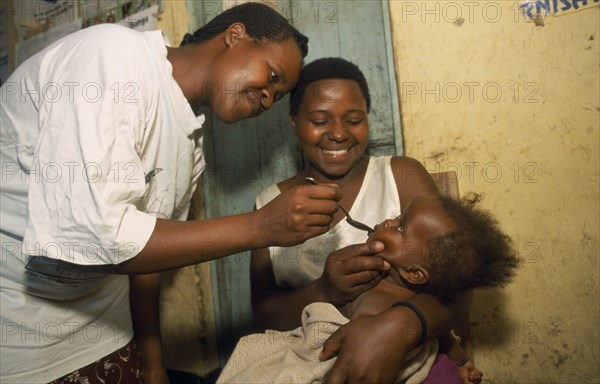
[450,345]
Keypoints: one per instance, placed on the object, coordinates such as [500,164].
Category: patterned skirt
[120,367]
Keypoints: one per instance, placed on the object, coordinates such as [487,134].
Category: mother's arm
[347,273]
[371,349]
[274,307]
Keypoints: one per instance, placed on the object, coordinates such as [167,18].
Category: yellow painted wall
[514,108]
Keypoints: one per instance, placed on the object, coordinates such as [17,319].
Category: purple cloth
[443,371]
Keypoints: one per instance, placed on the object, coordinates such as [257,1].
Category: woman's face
[249,77]
[332,126]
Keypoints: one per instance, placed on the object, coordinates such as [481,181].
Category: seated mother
[329,115]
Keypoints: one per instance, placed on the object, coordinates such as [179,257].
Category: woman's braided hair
[262,24]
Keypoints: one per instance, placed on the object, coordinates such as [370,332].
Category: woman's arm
[291,218]
[144,293]
[274,307]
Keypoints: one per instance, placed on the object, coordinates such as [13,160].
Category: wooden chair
[447,183]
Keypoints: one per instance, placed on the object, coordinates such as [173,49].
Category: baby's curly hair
[476,255]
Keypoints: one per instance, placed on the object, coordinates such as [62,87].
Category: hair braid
[262,24]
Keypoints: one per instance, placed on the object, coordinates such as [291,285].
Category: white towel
[293,356]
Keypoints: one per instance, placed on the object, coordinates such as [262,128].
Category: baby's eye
[355,121]
[400,229]
[274,77]
[319,123]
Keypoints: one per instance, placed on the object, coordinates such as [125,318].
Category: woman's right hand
[298,214]
[350,271]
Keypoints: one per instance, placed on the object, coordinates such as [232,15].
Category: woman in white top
[101,151]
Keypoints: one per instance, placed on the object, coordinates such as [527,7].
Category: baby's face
[406,237]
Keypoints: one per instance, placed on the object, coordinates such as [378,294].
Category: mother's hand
[371,349]
[350,271]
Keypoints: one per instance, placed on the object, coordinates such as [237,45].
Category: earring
[187,39]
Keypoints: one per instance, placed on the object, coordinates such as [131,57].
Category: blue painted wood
[358,30]
[246,157]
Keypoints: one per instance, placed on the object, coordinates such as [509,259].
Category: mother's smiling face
[332,126]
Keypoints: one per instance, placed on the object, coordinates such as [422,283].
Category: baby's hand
[469,374]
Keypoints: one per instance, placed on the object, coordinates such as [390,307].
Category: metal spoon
[349,219]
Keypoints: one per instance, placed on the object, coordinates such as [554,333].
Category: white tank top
[377,200]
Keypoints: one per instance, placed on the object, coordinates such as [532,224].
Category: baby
[442,247]
[439,246]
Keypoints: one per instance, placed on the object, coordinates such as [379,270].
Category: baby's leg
[469,374]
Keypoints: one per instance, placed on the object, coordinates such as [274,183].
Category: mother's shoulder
[406,164]
[412,178]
